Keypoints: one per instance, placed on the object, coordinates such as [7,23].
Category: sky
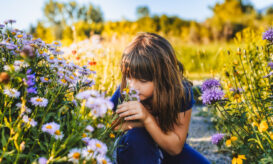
[27,12]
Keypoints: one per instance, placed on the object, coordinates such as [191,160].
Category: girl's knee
[139,147]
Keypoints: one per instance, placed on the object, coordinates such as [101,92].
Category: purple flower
[32,90]
[209,84]
[270,74]
[216,138]
[29,71]
[28,51]
[9,21]
[268,35]
[270,64]
[211,95]
[42,160]
[2,26]
[30,82]
[31,77]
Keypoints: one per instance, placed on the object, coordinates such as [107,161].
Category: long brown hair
[150,57]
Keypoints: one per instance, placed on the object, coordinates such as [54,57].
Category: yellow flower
[84,135]
[238,159]
[255,124]
[263,126]
[271,135]
[233,138]
[228,143]
[112,135]
[127,90]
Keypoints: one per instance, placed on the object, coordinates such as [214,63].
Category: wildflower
[51,128]
[98,146]
[270,64]
[42,160]
[4,77]
[39,101]
[74,52]
[45,79]
[74,155]
[88,153]
[102,159]
[263,126]
[86,94]
[89,128]
[112,135]
[62,81]
[270,74]
[228,141]
[84,135]
[27,51]
[57,44]
[210,83]
[268,35]
[11,92]
[58,134]
[216,138]
[238,159]
[271,135]
[22,146]
[100,126]
[211,95]
[32,90]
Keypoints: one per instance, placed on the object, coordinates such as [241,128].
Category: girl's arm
[173,141]
[127,125]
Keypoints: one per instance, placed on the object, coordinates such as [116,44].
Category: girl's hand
[133,110]
[127,125]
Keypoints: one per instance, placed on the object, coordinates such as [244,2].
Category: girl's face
[145,88]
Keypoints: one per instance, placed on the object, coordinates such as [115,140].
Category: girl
[157,126]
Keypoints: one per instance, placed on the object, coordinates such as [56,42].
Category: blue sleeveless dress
[137,146]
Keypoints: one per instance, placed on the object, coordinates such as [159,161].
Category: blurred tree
[143,11]
[269,11]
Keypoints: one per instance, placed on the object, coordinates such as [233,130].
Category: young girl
[158,125]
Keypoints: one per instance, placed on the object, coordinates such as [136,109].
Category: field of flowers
[241,100]
[48,111]
[55,103]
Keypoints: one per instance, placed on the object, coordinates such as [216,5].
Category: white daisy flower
[57,44]
[51,59]
[27,110]
[100,125]
[98,146]
[74,155]
[86,140]
[45,80]
[86,94]
[11,92]
[25,119]
[102,159]
[30,121]
[7,68]
[50,128]
[71,78]
[88,153]
[42,160]
[58,134]
[89,128]
[39,101]
[63,81]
